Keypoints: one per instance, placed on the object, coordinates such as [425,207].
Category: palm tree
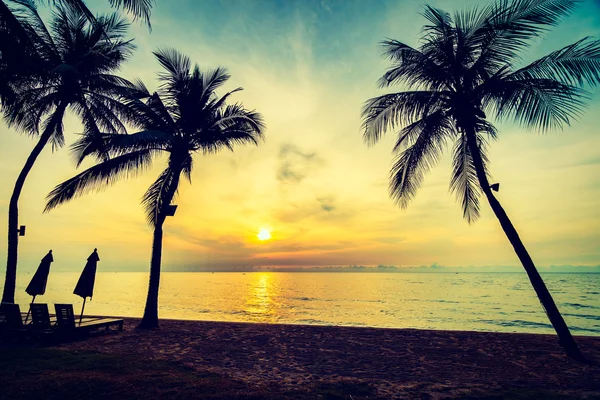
[19,58]
[18,52]
[463,71]
[77,59]
[184,117]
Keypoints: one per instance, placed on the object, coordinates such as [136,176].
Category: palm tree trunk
[556,319]
[8,295]
[150,318]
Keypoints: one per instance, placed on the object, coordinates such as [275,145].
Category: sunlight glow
[264,234]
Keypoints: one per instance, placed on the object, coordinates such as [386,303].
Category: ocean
[497,302]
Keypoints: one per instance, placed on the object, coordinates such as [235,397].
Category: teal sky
[308,66]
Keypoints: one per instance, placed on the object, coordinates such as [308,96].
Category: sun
[264,234]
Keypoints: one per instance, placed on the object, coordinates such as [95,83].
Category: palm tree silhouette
[184,117]
[77,59]
[19,58]
[137,8]
[463,71]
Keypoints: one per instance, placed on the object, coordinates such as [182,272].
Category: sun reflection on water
[261,304]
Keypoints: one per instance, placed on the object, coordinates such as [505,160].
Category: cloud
[295,165]
[327,203]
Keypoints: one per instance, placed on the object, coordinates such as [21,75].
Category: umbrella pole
[82,307]
[29,311]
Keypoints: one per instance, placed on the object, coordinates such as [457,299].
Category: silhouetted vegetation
[73,66]
[464,72]
[185,116]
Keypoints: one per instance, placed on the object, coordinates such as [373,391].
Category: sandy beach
[391,363]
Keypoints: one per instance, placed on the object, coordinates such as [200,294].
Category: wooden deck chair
[40,317]
[65,316]
[66,320]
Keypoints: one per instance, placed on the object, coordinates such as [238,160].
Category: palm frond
[441,21]
[535,103]
[160,194]
[188,167]
[410,165]
[463,181]
[138,8]
[117,144]
[38,33]
[509,25]
[232,125]
[141,90]
[78,6]
[156,115]
[410,133]
[54,126]
[111,26]
[177,64]
[212,80]
[99,176]
[413,68]
[576,64]
[392,110]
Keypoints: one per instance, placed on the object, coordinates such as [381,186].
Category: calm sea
[503,302]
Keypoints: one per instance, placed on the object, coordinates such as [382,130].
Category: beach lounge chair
[40,317]
[66,320]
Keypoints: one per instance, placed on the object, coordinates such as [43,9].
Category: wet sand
[396,363]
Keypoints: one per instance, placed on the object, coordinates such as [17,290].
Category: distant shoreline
[400,270]
[329,271]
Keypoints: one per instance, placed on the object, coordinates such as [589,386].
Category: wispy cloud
[295,165]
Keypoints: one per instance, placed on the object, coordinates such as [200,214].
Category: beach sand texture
[397,363]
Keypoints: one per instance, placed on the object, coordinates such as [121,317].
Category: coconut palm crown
[136,8]
[185,116]
[464,71]
[19,45]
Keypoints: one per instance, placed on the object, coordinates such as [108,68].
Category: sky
[308,66]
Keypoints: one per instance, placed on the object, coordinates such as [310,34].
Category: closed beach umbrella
[37,286]
[85,284]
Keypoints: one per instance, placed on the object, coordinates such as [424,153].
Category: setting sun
[264,234]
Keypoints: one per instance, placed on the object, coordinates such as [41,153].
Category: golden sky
[308,66]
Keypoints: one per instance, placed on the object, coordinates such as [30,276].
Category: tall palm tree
[77,61]
[464,71]
[185,116]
